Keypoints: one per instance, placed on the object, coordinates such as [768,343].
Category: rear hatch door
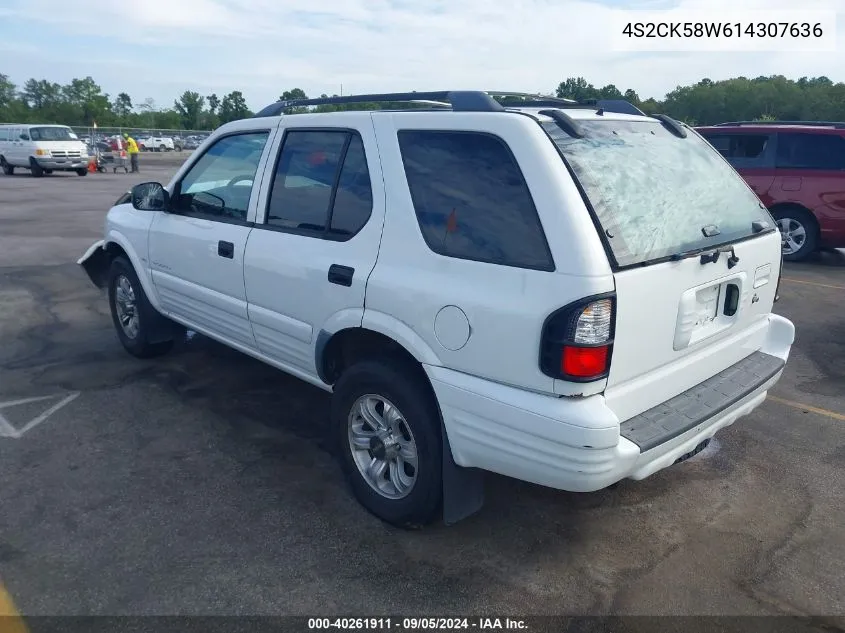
[695,254]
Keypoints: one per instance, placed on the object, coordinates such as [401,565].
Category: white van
[42,149]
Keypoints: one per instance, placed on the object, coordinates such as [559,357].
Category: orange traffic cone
[92,165]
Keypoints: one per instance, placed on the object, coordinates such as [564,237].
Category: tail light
[577,340]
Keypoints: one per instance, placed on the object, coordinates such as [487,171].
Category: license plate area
[702,310]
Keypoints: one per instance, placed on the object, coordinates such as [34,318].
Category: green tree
[233,107]
[40,94]
[290,95]
[213,103]
[122,106]
[189,106]
[85,99]
[576,88]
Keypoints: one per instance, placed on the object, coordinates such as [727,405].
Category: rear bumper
[578,444]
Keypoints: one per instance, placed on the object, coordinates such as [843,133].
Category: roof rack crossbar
[834,124]
[459,100]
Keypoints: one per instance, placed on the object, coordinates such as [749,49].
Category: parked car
[42,149]
[157,144]
[566,296]
[798,171]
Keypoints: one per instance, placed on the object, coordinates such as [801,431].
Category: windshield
[653,192]
[52,134]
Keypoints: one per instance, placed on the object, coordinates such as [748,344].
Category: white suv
[157,144]
[557,292]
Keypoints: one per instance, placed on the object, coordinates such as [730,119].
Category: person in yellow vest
[132,150]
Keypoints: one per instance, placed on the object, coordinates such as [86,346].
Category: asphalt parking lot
[199,483]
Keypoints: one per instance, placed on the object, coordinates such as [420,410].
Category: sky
[159,48]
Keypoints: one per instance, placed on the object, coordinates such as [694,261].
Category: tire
[35,169]
[418,432]
[7,168]
[799,232]
[134,339]
[81,172]
[162,148]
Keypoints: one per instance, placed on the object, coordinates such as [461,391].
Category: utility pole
[341,90]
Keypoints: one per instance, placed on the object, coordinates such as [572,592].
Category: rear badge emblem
[755,299]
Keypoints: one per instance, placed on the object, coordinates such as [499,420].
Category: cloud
[263,47]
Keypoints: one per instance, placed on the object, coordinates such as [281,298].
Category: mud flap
[95,262]
[463,488]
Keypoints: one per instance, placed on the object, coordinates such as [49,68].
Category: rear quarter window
[811,151]
[471,200]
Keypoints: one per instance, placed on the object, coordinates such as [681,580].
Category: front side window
[322,186]
[654,193]
[811,151]
[220,183]
[471,199]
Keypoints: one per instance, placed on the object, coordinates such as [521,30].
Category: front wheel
[798,233]
[82,172]
[35,169]
[387,428]
[131,311]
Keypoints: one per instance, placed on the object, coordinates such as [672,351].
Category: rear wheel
[387,429]
[799,232]
[7,168]
[131,311]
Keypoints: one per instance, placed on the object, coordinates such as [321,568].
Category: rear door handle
[341,275]
[226,249]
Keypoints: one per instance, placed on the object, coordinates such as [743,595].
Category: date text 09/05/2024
[723,29]
[416,624]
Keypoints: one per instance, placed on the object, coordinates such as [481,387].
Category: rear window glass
[471,200]
[653,192]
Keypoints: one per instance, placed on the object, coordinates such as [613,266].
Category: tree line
[82,102]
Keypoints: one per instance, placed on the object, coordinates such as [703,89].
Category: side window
[322,185]
[219,184]
[721,142]
[353,203]
[811,151]
[471,200]
[742,147]
[4,134]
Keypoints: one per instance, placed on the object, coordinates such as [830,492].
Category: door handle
[341,275]
[226,249]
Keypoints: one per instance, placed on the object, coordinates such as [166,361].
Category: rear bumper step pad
[707,399]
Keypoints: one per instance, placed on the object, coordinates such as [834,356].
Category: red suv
[798,171]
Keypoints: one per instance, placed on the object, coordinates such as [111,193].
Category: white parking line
[8,430]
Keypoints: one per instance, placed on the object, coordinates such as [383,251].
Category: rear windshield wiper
[708,255]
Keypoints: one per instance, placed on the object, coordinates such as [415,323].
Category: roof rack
[458,100]
[834,124]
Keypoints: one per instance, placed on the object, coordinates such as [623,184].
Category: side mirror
[150,196]
[24,137]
